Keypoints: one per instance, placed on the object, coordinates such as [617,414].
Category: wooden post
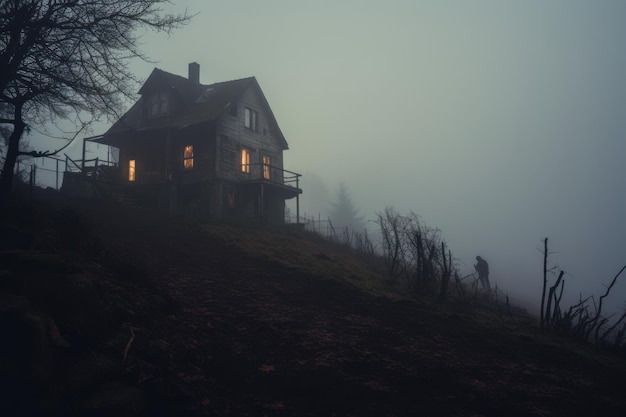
[56,177]
[82,165]
[545,279]
[262,203]
[32,176]
[297,201]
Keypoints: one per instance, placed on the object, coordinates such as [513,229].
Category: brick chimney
[194,72]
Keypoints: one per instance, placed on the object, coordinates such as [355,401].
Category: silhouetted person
[482,267]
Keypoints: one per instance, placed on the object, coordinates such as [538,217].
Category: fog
[498,122]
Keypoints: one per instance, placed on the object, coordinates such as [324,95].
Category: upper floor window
[245,160]
[267,162]
[188,157]
[159,103]
[131,170]
[251,119]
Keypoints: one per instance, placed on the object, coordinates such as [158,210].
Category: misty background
[498,122]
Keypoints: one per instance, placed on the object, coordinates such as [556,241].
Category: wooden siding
[232,136]
[203,141]
[159,155]
[148,153]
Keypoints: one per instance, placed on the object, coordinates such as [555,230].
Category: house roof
[198,103]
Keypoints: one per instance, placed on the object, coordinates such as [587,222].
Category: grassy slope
[82,291]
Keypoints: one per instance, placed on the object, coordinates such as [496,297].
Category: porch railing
[273,174]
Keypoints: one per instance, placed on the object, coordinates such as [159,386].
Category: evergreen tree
[343,214]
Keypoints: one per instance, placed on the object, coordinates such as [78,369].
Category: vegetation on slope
[111,311]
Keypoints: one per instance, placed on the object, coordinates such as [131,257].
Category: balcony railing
[272,174]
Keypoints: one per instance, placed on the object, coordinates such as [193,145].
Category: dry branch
[129,344]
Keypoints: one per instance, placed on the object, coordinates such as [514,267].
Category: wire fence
[44,171]
[323,227]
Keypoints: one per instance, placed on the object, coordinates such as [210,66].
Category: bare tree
[68,60]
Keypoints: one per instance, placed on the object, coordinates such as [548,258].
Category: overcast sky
[499,122]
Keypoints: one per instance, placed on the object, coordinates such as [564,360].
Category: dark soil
[115,311]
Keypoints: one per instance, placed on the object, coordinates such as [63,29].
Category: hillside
[110,311]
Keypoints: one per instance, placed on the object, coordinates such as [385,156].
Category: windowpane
[188,157]
[251,119]
[266,167]
[245,161]
[131,170]
[164,103]
[247,121]
[159,103]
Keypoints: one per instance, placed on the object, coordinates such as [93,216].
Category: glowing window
[266,167]
[188,157]
[131,170]
[245,160]
[251,119]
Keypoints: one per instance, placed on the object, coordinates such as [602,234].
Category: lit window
[159,103]
[245,160]
[131,170]
[188,157]
[251,119]
[266,167]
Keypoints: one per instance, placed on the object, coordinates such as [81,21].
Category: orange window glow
[266,167]
[131,170]
[188,157]
[245,161]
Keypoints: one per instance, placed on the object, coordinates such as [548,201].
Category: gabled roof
[198,103]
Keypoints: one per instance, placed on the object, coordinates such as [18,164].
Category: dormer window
[233,109]
[159,104]
[251,119]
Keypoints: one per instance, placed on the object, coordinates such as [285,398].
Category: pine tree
[343,214]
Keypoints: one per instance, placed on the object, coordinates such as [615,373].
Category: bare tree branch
[69,57]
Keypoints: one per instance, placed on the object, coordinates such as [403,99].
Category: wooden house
[212,151]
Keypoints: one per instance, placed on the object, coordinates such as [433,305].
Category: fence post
[82,165]
[30,183]
[297,201]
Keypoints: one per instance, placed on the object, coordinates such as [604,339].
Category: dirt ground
[188,323]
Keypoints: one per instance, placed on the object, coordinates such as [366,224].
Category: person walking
[482,267]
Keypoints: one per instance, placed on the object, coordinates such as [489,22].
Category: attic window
[188,157]
[159,104]
[233,109]
[205,95]
[251,119]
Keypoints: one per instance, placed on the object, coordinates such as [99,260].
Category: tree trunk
[6,179]
[545,279]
